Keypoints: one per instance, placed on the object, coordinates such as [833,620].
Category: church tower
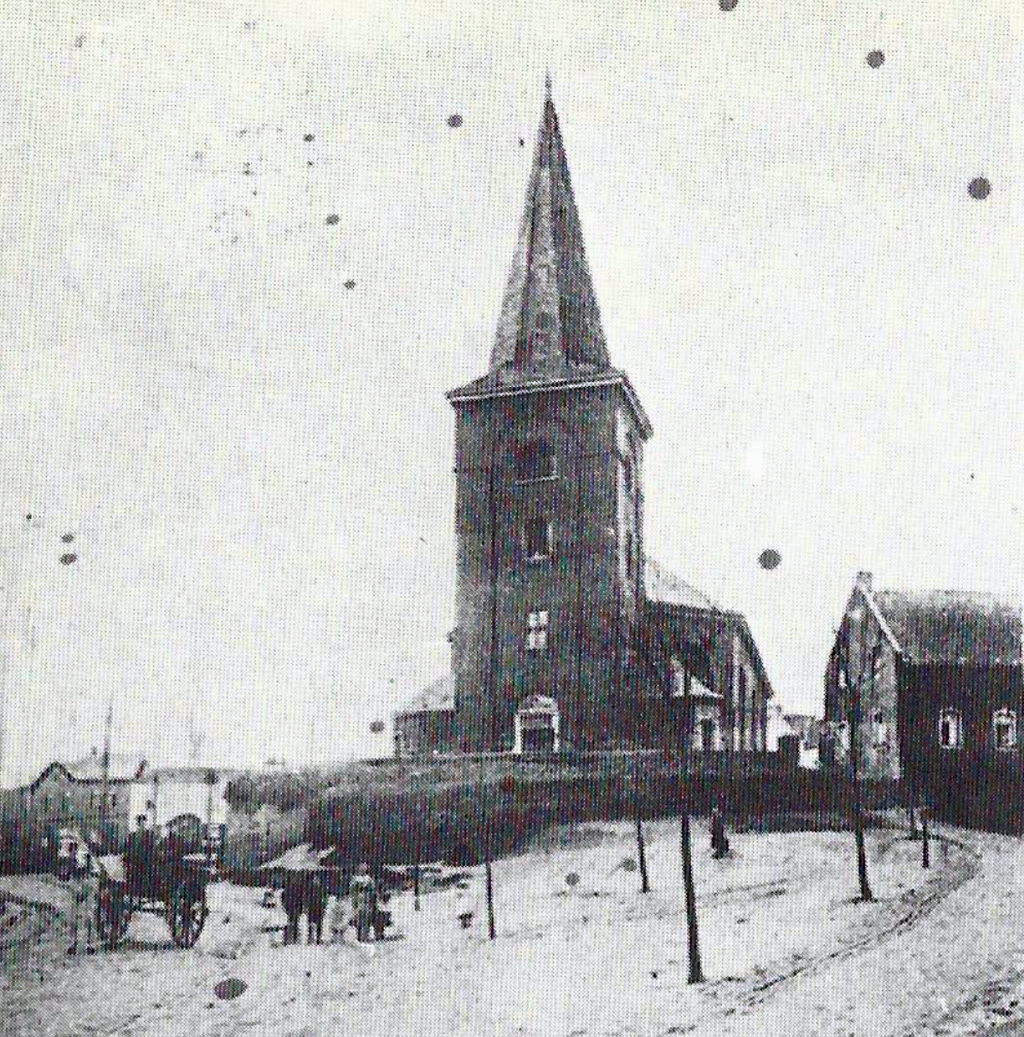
[549,502]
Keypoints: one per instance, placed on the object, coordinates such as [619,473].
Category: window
[879,729]
[1004,729]
[538,538]
[630,553]
[627,473]
[951,729]
[535,460]
[537,631]
[682,680]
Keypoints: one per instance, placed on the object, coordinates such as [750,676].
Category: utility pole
[490,743]
[105,771]
[693,938]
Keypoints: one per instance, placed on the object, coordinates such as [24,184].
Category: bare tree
[685,844]
[854,687]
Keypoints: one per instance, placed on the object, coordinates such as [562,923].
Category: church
[566,636]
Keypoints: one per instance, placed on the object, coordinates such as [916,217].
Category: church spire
[550,324]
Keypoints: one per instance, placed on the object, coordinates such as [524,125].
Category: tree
[686,848]
[854,682]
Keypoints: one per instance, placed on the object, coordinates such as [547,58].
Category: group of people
[307,893]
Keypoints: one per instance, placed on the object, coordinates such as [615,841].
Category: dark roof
[550,279]
[436,697]
[673,603]
[952,626]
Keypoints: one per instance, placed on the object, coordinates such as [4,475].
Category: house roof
[808,727]
[121,767]
[436,697]
[664,586]
[950,626]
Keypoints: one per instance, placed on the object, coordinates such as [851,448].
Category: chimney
[864,581]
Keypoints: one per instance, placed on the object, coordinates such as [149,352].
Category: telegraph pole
[105,782]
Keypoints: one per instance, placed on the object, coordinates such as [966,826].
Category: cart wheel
[113,913]
[186,914]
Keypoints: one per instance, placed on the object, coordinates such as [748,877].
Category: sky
[243,255]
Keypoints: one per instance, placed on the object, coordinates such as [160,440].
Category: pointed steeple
[550,325]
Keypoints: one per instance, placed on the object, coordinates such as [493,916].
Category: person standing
[291,901]
[338,917]
[364,901]
[316,897]
[85,890]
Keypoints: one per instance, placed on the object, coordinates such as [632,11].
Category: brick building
[937,678]
[563,636]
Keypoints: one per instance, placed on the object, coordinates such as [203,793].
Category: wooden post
[925,856]
[641,853]
[686,848]
[417,840]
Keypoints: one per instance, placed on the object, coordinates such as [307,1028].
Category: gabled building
[931,682]
[426,723]
[562,640]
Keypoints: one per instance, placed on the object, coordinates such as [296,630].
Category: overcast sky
[255,460]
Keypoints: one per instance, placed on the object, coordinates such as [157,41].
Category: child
[338,918]
[465,907]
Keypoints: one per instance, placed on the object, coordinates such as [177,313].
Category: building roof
[549,317]
[122,767]
[549,331]
[679,605]
[436,697]
[950,626]
[664,586]
[807,727]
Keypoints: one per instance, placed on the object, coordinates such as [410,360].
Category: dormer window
[538,538]
[535,460]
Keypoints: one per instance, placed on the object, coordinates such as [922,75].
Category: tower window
[951,731]
[630,553]
[535,460]
[537,631]
[1004,728]
[538,538]
[627,473]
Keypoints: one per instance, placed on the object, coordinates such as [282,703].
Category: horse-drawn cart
[171,884]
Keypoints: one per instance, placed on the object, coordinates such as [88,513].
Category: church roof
[549,334]
[664,586]
[549,317]
[437,697]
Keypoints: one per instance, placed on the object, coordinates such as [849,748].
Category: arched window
[951,729]
[535,460]
[538,538]
[1004,729]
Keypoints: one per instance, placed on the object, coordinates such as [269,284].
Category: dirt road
[786,950]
